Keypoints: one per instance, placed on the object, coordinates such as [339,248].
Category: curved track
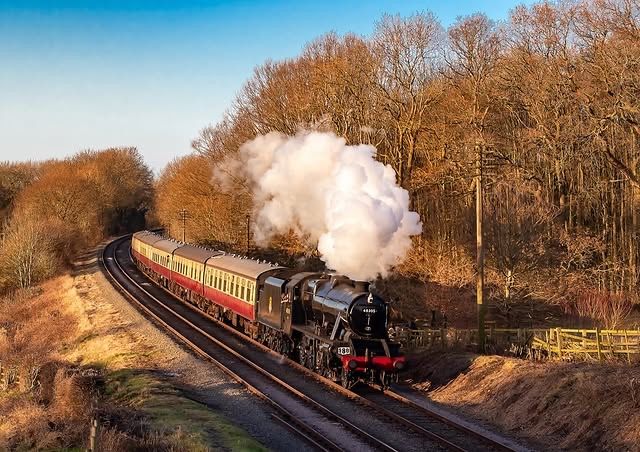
[324,414]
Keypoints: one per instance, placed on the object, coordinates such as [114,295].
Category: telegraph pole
[183,216]
[479,251]
[248,232]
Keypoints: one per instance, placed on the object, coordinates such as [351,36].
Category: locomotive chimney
[361,286]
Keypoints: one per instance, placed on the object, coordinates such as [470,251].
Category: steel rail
[318,437]
[422,409]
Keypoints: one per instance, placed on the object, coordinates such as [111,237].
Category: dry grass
[567,405]
[67,354]
[45,401]
[36,423]
[105,338]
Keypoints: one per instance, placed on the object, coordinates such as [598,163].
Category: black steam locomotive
[327,322]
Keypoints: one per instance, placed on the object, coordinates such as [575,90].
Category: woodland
[547,101]
[52,210]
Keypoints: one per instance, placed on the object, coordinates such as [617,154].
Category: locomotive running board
[312,334]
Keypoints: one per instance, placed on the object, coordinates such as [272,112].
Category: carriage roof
[243,266]
[196,253]
[147,237]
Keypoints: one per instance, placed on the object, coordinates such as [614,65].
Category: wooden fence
[552,343]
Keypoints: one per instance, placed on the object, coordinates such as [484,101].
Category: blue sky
[87,74]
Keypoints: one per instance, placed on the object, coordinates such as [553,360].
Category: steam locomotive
[327,322]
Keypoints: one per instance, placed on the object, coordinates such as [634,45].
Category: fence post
[598,344]
[559,337]
[626,343]
[92,435]
[584,343]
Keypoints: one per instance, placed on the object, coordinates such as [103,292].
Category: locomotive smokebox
[361,286]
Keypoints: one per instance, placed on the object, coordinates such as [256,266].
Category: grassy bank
[67,356]
[563,405]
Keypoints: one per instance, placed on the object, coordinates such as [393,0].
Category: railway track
[312,407]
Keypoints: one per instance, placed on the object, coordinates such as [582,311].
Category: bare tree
[408,53]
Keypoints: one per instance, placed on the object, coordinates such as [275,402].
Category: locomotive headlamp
[353,364]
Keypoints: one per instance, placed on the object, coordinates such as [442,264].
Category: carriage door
[270,308]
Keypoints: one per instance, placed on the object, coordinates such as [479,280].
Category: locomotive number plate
[344,350]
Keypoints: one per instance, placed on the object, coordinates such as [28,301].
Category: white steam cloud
[336,195]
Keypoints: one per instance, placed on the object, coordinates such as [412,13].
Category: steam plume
[335,194]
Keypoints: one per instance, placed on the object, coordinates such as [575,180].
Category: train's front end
[371,357]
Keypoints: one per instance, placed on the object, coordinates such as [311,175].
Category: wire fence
[548,343]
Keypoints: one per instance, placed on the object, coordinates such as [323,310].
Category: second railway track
[310,406]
